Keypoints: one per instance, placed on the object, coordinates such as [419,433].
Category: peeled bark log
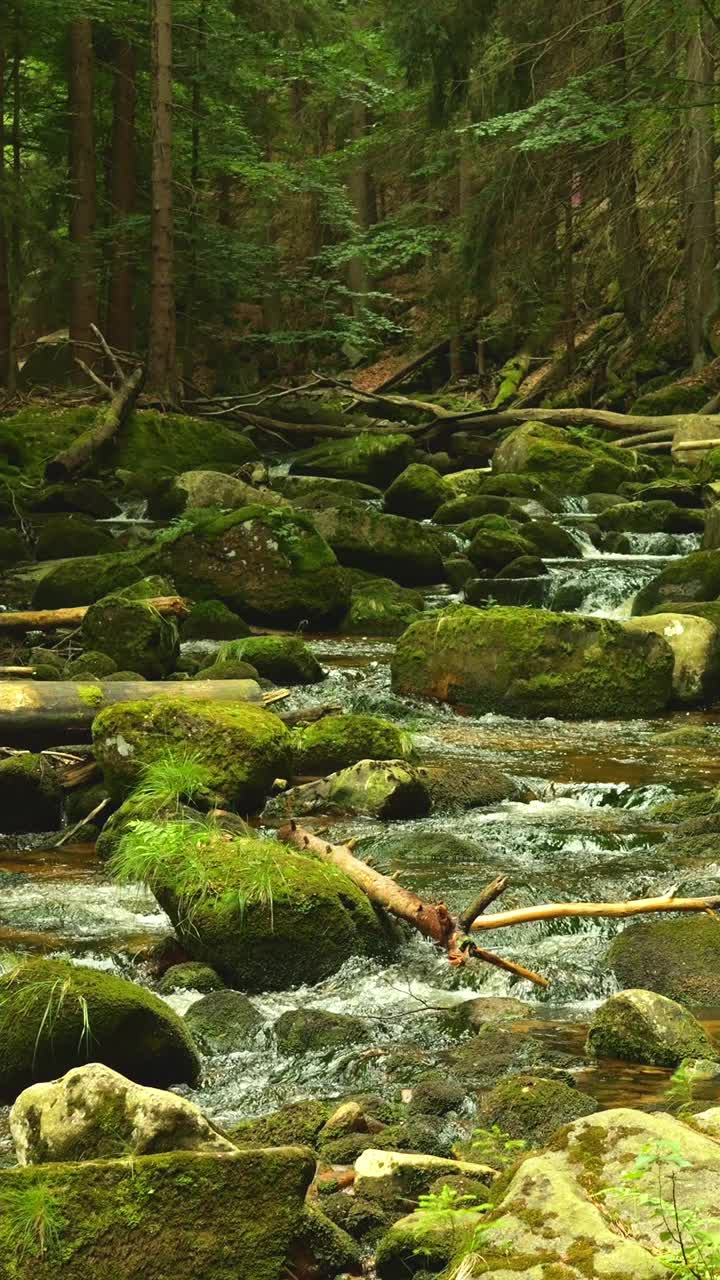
[625,422]
[53,619]
[60,711]
[109,421]
[593,910]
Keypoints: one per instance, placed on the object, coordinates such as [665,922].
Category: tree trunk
[161,372]
[622,185]
[194,220]
[120,328]
[701,276]
[359,186]
[15,245]
[4,279]
[83,288]
[569,281]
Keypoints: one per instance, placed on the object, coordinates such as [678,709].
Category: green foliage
[176,778]
[497,1147]
[31,1221]
[46,1001]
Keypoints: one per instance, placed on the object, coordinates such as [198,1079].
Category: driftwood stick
[644,438]
[489,957]
[591,910]
[93,376]
[694,446]
[51,619]
[484,899]
[67,835]
[109,353]
[106,426]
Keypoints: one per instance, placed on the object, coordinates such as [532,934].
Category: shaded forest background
[253,190]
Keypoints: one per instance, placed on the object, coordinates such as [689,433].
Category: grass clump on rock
[335,742]
[282,659]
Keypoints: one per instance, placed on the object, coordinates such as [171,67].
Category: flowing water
[585,831]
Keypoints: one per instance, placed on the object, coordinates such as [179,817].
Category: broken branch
[591,910]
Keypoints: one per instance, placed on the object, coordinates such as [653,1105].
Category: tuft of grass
[31,1221]
[48,997]
[177,777]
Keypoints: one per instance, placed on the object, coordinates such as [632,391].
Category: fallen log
[593,910]
[644,438]
[606,418]
[107,424]
[694,446]
[54,619]
[57,711]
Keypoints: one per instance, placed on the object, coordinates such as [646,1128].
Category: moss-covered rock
[298,488]
[191,977]
[380,607]
[212,620]
[565,460]
[335,742]
[86,579]
[651,517]
[641,1026]
[550,539]
[30,795]
[426,1242]
[72,535]
[282,659]
[90,497]
[379,788]
[472,506]
[492,548]
[695,643]
[227,669]
[268,565]
[417,492]
[533,662]
[91,662]
[275,918]
[532,1109]
[224,1022]
[679,958]
[317,1031]
[229,493]
[456,784]
[458,571]
[243,747]
[297,1123]
[183,1214]
[365,539]
[13,549]
[133,634]
[684,396]
[371,459]
[54,1016]
[693,577]
[524,567]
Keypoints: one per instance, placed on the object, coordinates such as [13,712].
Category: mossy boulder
[30,795]
[72,535]
[565,460]
[493,548]
[91,662]
[276,918]
[133,634]
[533,662]
[380,607]
[306,1030]
[423,1244]
[531,1108]
[379,788]
[391,545]
[13,549]
[417,492]
[282,659]
[212,620]
[693,577]
[335,742]
[224,1022]
[227,669]
[651,517]
[268,565]
[372,459]
[184,1214]
[54,1016]
[551,540]
[298,488]
[243,747]
[473,506]
[90,497]
[190,977]
[695,643]
[86,579]
[296,1123]
[642,1026]
[685,396]
[229,493]
[678,958]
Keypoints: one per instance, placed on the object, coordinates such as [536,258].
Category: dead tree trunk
[109,420]
[54,619]
[120,329]
[83,289]
[5,322]
[162,371]
[701,272]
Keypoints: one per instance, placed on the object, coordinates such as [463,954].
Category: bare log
[610,421]
[695,446]
[108,423]
[484,899]
[415,363]
[645,438]
[57,711]
[54,619]
[593,910]
[433,920]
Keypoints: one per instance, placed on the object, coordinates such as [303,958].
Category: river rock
[282,659]
[30,795]
[184,1214]
[690,578]
[563,459]
[54,1016]
[641,1026]
[213,489]
[651,517]
[689,948]
[371,459]
[496,545]
[243,747]
[534,663]
[85,579]
[417,492]
[336,742]
[212,620]
[190,976]
[695,643]
[224,1022]
[72,535]
[276,918]
[133,634]
[94,1113]
[380,788]
[90,497]
[365,539]
[379,606]
[532,1108]
[423,1243]
[268,564]
[385,1175]
[317,1031]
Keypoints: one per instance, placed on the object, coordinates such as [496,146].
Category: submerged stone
[224,1022]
